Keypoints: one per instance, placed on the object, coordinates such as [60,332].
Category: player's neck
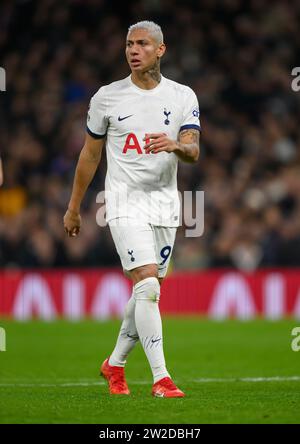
[147,80]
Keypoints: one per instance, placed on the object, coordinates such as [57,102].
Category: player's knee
[147,289]
[143,272]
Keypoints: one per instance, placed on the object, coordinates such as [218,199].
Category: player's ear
[161,50]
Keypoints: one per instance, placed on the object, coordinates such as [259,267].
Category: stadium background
[237,56]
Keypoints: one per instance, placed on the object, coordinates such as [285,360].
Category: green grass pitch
[49,374]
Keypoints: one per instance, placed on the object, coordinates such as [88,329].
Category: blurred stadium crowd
[236,55]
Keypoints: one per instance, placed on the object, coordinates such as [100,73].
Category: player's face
[142,51]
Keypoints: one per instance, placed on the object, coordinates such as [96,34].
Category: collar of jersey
[147,91]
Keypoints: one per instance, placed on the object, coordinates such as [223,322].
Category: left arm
[186,147]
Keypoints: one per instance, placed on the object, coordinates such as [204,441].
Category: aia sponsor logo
[132,143]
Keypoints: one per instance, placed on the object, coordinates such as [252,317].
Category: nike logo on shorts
[123,118]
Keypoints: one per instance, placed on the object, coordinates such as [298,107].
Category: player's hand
[72,223]
[159,142]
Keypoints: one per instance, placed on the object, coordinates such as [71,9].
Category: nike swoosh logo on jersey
[123,118]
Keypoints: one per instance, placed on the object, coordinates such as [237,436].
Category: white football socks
[127,338]
[149,326]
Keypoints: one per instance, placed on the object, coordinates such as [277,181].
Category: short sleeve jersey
[140,185]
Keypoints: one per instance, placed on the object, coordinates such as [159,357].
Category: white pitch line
[257,379]
[199,380]
[67,384]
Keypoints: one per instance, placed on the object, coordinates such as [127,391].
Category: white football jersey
[139,185]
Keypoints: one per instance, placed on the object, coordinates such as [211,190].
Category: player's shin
[149,325]
[127,338]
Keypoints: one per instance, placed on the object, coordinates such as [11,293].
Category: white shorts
[143,244]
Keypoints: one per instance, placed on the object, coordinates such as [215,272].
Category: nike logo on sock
[156,340]
[132,336]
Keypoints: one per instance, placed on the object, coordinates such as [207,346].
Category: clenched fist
[72,223]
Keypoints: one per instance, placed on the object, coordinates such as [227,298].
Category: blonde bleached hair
[153,29]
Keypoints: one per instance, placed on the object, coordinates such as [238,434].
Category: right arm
[87,164]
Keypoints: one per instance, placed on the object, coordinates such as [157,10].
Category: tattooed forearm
[188,145]
[189,135]
[187,152]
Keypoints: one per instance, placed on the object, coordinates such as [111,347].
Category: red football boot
[115,377]
[165,388]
